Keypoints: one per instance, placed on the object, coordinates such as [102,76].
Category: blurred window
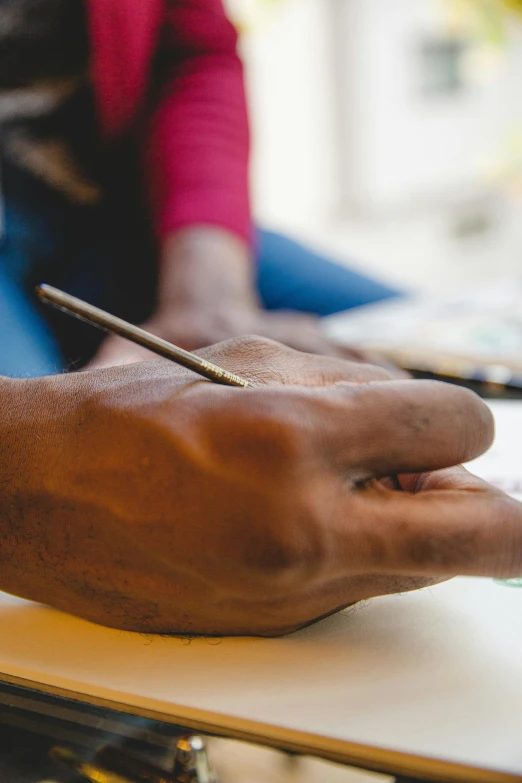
[442,66]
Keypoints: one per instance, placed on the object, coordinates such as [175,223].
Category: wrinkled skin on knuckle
[264,361]
[248,355]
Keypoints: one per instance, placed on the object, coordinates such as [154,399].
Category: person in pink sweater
[125,150]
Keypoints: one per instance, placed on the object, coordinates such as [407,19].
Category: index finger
[386,428]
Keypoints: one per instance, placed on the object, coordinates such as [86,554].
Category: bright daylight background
[390,131]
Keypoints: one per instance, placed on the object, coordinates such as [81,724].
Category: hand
[207,294]
[147,499]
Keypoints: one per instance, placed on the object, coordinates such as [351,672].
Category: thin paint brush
[109,323]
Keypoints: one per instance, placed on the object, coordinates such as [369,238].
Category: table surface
[435,673]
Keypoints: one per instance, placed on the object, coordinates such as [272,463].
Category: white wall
[339,123]
[406,146]
[288,60]
[346,155]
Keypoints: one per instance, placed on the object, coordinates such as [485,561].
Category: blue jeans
[104,255]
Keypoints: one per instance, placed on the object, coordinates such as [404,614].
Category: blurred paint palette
[475,335]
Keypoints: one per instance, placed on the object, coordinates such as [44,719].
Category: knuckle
[251,345]
[259,359]
[254,342]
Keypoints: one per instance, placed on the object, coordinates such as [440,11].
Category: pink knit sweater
[196,140]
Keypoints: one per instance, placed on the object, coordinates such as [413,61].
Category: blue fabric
[81,254]
[27,347]
[293,277]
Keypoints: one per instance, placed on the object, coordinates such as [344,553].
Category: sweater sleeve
[198,142]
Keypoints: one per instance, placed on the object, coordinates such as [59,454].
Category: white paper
[502,464]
